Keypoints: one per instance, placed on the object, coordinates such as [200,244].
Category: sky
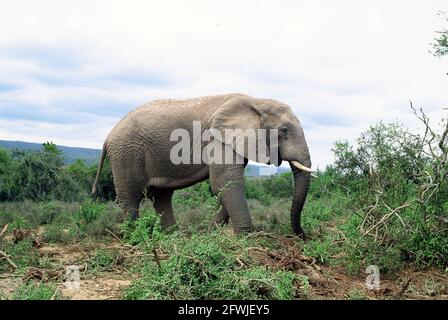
[69,71]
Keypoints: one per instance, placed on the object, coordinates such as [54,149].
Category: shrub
[23,254]
[195,196]
[205,267]
[144,231]
[36,291]
[36,175]
[202,266]
[102,260]
[398,186]
[105,188]
[89,212]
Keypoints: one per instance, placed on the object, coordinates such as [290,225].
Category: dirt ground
[325,282]
[92,286]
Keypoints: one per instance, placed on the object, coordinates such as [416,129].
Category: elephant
[140,145]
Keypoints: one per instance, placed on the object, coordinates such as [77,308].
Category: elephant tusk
[300,166]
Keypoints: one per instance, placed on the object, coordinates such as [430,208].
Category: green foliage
[387,175]
[35,175]
[266,189]
[23,254]
[320,249]
[89,212]
[35,291]
[42,176]
[95,219]
[62,221]
[356,294]
[440,46]
[195,196]
[145,231]
[105,188]
[103,260]
[205,267]
[56,233]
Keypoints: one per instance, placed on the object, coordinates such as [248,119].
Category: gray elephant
[140,146]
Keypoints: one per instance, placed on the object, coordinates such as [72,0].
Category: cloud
[71,70]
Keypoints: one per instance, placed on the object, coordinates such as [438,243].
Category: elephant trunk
[301,186]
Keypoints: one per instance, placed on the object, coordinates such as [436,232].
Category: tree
[5,167]
[36,175]
[105,190]
[440,46]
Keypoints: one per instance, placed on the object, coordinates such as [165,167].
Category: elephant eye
[283,130]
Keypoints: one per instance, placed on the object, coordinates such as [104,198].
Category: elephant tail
[100,167]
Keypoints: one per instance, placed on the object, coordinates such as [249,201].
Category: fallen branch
[261,234]
[156,258]
[53,297]
[278,256]
[386,217]
[2,233]
[241,263]
[8,259]
[121,241]
[406,285]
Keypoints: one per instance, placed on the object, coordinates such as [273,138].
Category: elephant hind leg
[163,206]
[129,199]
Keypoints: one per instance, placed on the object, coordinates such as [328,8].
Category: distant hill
[71,154]
[91,156]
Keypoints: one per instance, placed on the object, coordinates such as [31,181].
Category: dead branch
[240,262]
[121,241]
[8,259]
[442,139]
[387,217]
[261,234]
[156,258]
[53,297]
[278,256]
[3,232]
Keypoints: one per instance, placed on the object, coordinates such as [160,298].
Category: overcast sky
[70,70]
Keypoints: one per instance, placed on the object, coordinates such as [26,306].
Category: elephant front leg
[228,182]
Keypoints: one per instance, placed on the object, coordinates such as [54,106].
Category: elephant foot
[301,234]
[168,222]
[221,218]
[243,230]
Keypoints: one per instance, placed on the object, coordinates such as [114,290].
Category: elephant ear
[236,120]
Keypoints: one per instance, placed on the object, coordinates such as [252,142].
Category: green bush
[102,260]
[89,212]
[36,291]
[23,254]
[205,267]
[57,234]
[144,231]
[105,188]
[399,191]
[36,175]
[195,196]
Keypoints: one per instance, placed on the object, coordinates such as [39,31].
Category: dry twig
[3,232]
[8,259]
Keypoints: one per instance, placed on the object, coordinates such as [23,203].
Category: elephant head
[244,113]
